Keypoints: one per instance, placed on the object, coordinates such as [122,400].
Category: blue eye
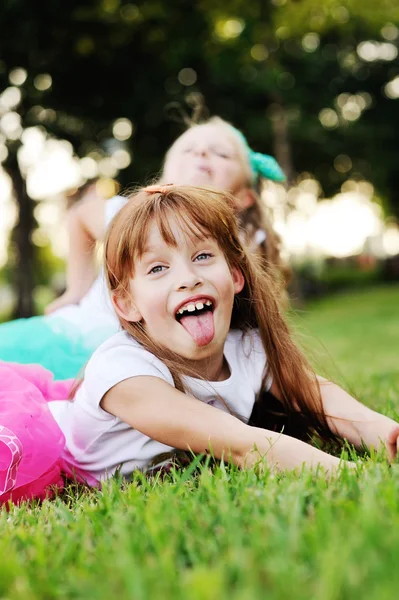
[156,269]
[203,256]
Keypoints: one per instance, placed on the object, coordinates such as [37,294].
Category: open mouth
[194,309]
[204,170]
[197,319]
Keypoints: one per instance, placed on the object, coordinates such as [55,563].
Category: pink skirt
[32,446]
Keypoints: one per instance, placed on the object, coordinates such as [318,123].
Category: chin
[191,351]
[200,179]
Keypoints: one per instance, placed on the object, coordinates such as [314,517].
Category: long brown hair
[199,212]
[255,217]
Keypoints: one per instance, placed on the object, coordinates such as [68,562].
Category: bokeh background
[100,89]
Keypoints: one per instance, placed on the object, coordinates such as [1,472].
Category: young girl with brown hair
[202,337]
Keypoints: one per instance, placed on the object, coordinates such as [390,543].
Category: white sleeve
[114,364]
[112,207]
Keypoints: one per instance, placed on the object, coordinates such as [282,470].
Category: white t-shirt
[100,443]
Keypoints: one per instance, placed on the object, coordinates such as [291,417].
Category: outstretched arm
[157,409]
[86,225]
[351,420]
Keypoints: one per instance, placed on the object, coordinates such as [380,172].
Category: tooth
[180,311]
[208,303]
[199,305]
[190,308]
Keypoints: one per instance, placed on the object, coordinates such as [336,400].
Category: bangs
[191,229]
[197,218]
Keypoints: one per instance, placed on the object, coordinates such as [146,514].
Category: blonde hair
[253,218]
[199,212]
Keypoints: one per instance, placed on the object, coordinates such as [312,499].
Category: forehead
[208,133]
[173,231]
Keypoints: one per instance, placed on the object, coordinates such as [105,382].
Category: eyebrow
[149,250]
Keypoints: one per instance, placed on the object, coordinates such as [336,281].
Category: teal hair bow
[262,164]
[266,166]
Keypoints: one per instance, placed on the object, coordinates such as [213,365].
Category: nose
[201,150]
[188,278]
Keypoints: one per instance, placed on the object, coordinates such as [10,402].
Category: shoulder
[117,359]
[120,355]
[112,207]
[246,343]
[245,352]
[89,212]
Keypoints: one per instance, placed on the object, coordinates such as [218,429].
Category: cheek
[226,284]
[154,307]
[155,313]
[229,174]
[169,171]
[175,169]
[148,303]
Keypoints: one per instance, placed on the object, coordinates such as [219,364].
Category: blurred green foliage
[312,280]
[296,76]
[110,59]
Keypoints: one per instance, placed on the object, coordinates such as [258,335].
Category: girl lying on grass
[202,337]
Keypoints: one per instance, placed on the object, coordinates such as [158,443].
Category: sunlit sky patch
[345,225]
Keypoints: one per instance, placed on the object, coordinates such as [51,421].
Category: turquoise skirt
[55,342]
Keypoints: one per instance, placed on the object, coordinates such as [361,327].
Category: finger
[393,437]
[391,450]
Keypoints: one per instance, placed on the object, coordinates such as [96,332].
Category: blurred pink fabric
[32,446]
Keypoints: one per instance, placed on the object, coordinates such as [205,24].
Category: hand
[392,442]
[64,300]
[381,431]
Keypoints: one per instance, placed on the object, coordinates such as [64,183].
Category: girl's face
[206,155]
[183,295]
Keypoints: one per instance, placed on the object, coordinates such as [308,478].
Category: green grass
[221,534]
[354,339]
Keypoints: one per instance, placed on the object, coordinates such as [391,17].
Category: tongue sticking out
[200,327]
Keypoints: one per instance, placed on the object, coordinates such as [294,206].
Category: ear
[238,280]
[244,198]
[126,309]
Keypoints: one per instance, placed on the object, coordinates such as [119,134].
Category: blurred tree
[295,75]
[308,80]
[72,69]
[342,57]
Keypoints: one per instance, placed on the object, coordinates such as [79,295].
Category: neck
[211,368]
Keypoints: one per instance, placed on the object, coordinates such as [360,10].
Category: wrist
[375,430]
